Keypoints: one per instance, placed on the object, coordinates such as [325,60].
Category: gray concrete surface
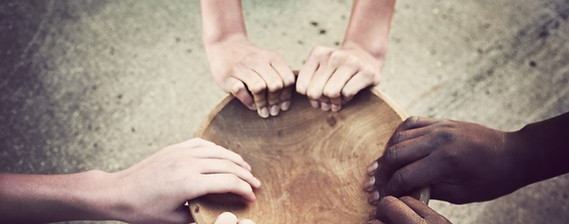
[103,84]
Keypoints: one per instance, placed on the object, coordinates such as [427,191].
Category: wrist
[95,197]
[375,58]
[531,162]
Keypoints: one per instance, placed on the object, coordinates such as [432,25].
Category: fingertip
[274,111]
[315,104]
[263,112]
[226,217]
[372,168]
[373,197]
[369,184]
[325,106]
[335,107]
[285,105]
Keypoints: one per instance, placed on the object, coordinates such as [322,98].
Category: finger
[286,95]
[407,134]
[226,218]
[325,103]
[240,92]
[392,210]
[314,103]
[333,88]
[206,149]
[415,122]
[273,82]
[336,104]
[284,71]
[216,166]
[400,155]
[288,80]
[274,85]
[419,207]
[309,68]
[316,85]
[257,87]
[225,183]
[362,79]
[422,173]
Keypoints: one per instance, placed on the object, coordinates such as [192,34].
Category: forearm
[547,147]
[369,26]
[50,198]
[221,19]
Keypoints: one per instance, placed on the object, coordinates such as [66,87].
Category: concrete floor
[103,84]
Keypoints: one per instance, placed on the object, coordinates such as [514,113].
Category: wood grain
[312,163]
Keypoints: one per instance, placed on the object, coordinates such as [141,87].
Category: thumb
[239,90]
[226,218]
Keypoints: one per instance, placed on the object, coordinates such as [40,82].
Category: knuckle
[348,93]
[391,154]
[256,87]
[399,180]
[330,92]
[275,86]
[337,57]
[387,201]
[410,121]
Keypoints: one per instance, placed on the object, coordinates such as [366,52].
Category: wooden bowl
[311,163]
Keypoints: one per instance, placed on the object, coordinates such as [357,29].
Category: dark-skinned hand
[405,210]
[461,162]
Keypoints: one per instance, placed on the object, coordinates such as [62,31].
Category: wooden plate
[311,163]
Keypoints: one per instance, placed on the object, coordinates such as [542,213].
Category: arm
[259,78]
[465,162]
[331,77]
[152,191]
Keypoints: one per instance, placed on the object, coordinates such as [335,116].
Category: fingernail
[253,106]
[369,184]
[373,197]
[325,106]
[263,112]
[336,108]
[372,168]
[275,110]
[257,183]
[285,105]
[372,215]
[314,103]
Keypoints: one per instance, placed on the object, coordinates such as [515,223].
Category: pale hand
[155,189]
[331,77]
[258,77]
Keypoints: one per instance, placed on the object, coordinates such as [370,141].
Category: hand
[462,162]
[332,77]
[259,78]
[405,210]
[230,218]
[155,189]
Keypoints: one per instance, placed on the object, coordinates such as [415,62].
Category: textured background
[103,84]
